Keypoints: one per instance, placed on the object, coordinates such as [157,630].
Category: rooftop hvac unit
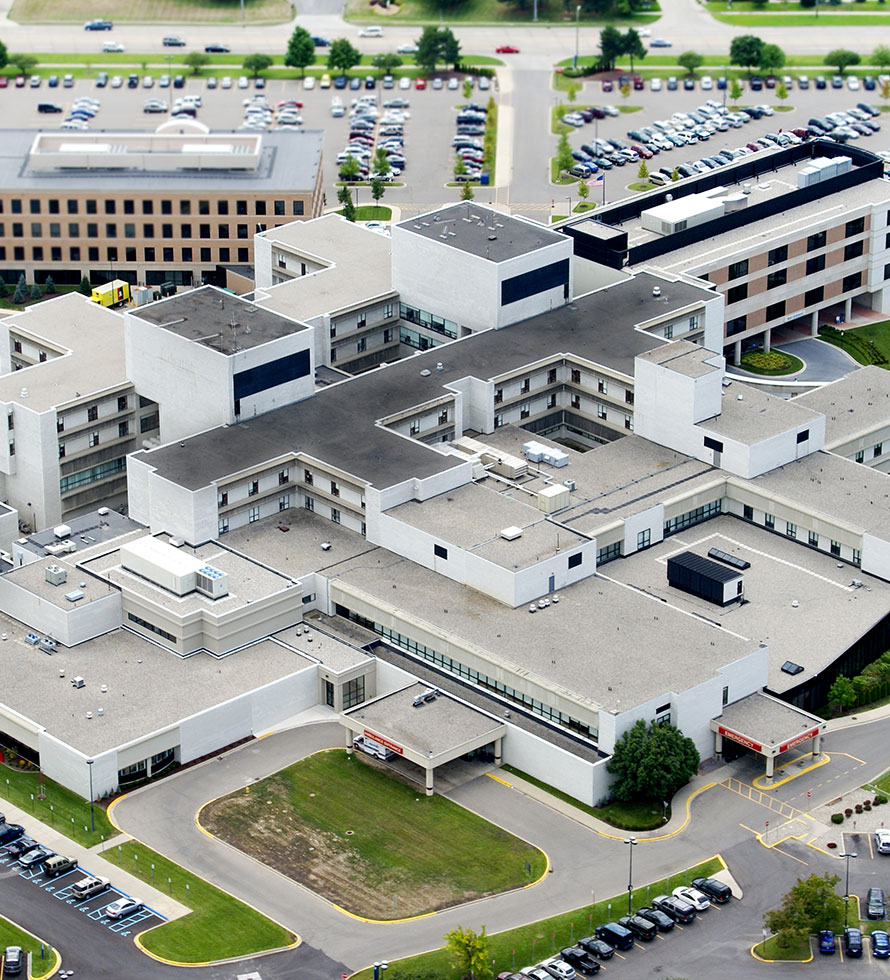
[511,533]
[74,596]
[47,644]
[62,548]
[212,582]
[77,682]
[56,575]
[570,485]
[553,498]
[32,639]
[62,531]
[103,511]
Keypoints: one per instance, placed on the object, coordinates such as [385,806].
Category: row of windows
[608,553]
[128,230]
[876,450]
[353,692]
[691,517]
[811,297]
[129,254]
[151,628]
[110,206]
[790,530]
[474,676]
[428,320]
[736,294]
[100,472]
[780,254]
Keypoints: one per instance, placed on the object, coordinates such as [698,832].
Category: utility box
[112,293]
[705,578]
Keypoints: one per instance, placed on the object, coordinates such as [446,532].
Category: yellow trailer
[112,293]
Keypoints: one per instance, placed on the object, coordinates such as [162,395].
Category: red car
[290,104]
[607,86]
[506,49]
[419,83]
[19,81]
[4,81]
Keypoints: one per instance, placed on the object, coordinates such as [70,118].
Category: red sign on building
[741,739]
[800,738]
[385,742]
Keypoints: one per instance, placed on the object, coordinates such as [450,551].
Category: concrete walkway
[90,860]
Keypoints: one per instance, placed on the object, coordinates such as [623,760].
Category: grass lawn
[626,816]
[165,13]
[220,926]
[488,12]
[373,212]
[629,108]
[515,948]
[368,842]
[867,345]
[774,363]
[803,19]
[557,177]
[62,809]
[11,935]
[878,333]
[771,950]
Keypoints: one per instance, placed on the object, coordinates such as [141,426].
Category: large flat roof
[857,403]
[338,423]
[749,415]
[87,531]
[217,319]
[482,232]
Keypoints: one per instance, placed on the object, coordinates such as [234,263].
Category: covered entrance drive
[767,726]
[422,726]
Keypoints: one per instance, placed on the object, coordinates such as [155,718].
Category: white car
[225,81]
[371,31]
[123,908]
[453,83]
[562,969]
[882,841]
[113,47]
[116,81]
[655,85]
[707,83]
[610,110]
[309,83]
[697,899]
[404,82]
[406,49]
[243,82]
[337,111]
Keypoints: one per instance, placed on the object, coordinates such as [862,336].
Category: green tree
[460,166]
[449,47]
[196,60]
[772,58]
[343,55]
[560,110]
[611,46]
[583,190]
[349,169]
[427,56]
[633,46]
[4,55]
[811,905]
[49,287]
[256,64]
[781,91]
[380,165]
[345,199]
[880,57]
[300,50]
[652,762]
[884,89]
[21,291]
[378,189]
[643,172]
[735,90]
[85,287]
[36,291]
[25,63]
[690,60]
[4,288]
[469,949]
[675,175]
[387,63]
[466,191]
[572,92]
[467,91]
[841,59]
[564,158]
[745,51]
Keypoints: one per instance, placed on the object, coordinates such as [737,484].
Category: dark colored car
[714,889]
[597,947]
[13,960]
[880,945]
[640,927]
[49,107]
[868,83]
[664,922]
[20,848]
[321,42]
[827,943]
[837,81]
[755,83]
[10,831]
[217,49]
[179,81]
[36,856]
[580,959]
[340,81]
[98,24]
[615,935]
[132,81]
[874,903]
[820,82]
[853,942]
[102,79]
[671,84]
[689,83]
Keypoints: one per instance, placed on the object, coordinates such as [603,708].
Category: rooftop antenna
[234,325]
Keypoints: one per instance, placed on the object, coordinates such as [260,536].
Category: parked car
[874,903]
[20,848]
[714,889]
[58,864]
[827,943]
[642,928]
[580,959]
[173,41]
[659,42]
[35,856]
[372,30]
[853,942]
[880,945]
[216,48]
[98,24]
[123,908]
[615,935]
[697,899]
[13,960]
[559,969]
[882,841]
[597,947]
[10,832]
[664,922]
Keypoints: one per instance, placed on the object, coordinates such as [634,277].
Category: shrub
[879,799]
[848,812]
[832,845]
[858,808]
[866,806]
[837,818]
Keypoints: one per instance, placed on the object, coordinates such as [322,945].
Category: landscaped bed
[367,842]
[774,362]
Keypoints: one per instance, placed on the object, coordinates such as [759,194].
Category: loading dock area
[768,726]
[424,726]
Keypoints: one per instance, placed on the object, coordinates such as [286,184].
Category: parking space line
[793,858]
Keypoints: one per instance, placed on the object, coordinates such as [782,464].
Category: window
[222,498]
[602,386]
[576,402]
[12,447]
[790,529]
[149,255]
[110,207]
[803,436]
[813,296]
[551,400]
[18,229]
[61,450]
[644,539]
[387,335]
[19,253]
[439,551]
[148,207]
[74,253]
[307,477]
[775,311]
[777,278]
[279,207]
[72,207]
[725,696]
[167,254]
[166,231]
[693,321]
[738,269]
[111,230]
[629,422]
[242,231]
[185,206]
[284,503]
[297,207]
[93,474]
[816,241]
[498,421]
[41,356]
[498,395]
[36,229]
[16,206]
[525,387]
[283,476]
[879,449]
[329,694]
[335,489]
[225,254]
[887,270]
[34,206]
[669,331]
[309,503]
[836,548]
[260,207]
[629,397]
[815,264]
[737,324]
[748,512]
[37,253]
[253,488]
[10,422]
[600,411]
[55,229]
[94,439]
[525,410]
[769,521]
[140,766]
[853,281]
[335,515]
[576,376]
[692,517]
[222,231]
[737,293]
[443,417]
[166,207]
[253,515]
[241,207]
[149,422]
[353,692]
[387,310]
[129,207]
[186,254]
[17,346]
[148,230]
[854,227]
[857,556]
[73,229]
[608,553]
[361,345]
[551,376]
[92,413]
[853,250]
[205,255]
[123,429]
[813,539]
[185,231]
[575,560]
[860,456]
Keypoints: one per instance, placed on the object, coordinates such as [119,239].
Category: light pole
[847,855]
[90,767]
[569,199]
[631,844]
[577,29]
[379,967]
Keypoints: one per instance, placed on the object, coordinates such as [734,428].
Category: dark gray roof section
[289,162]
[217,319]
[337,423]
[86,530]
[486,234]
[704,566]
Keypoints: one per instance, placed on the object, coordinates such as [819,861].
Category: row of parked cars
[468,143]
[682,906]
[756,83]
[375,137]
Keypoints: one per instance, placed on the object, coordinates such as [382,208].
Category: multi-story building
[791,238]
[148,207]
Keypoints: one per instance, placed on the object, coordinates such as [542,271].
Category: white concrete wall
[69,626]
[33,473]
[184,513]
[262,261]
[140,473]
[68,766]
[651,518]
[550,299]
[271,398]
[9,529]
[876,556]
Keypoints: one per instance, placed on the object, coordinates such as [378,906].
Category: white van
[371,747]
[372,30]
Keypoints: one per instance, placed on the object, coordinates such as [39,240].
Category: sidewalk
[91,862]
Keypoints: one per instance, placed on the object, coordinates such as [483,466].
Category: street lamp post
[577,29]
[90,767]
[379,967]
[569,199]
[847,855]
[631,844]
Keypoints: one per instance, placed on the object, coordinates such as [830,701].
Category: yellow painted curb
[763,959]
[382,922]
[766,784]
[498,779]
[673,833]
[246,956]
[109,812]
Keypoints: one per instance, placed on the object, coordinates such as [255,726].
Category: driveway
[822,362]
